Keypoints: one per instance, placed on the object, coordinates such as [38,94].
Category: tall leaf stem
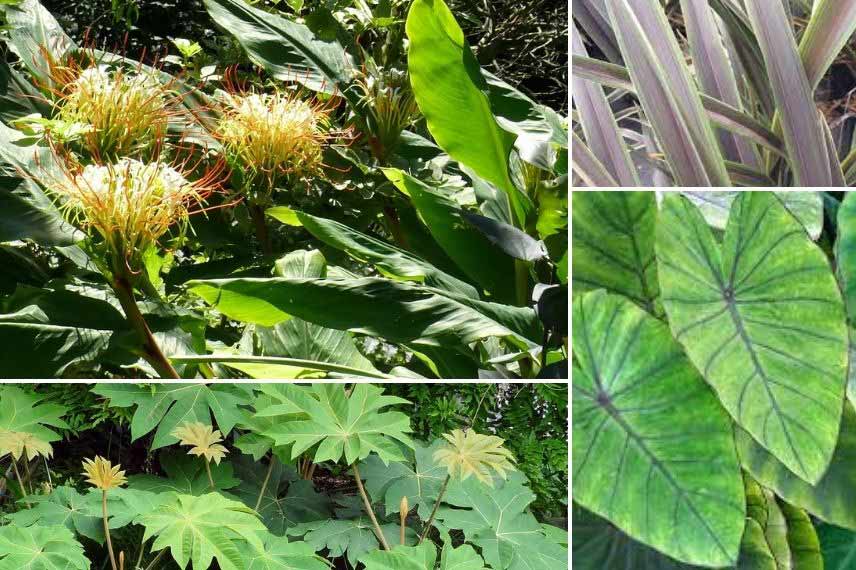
[264,484]
[151,350]
[21,483]
[368,507]
[434,510]
[208,472]
[156,559]
[257,214]
[107,530]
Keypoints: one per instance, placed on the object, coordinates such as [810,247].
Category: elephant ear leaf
[638,407]
[761,316]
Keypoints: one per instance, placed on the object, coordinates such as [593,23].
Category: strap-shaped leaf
[667,93]
[761,317]
[645,421]
[831,498]
[613,245]
[830,27]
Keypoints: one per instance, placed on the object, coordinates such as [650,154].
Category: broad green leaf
[806,207]
[645,419]
[390,260]
[667,93]
[287,500]
[496,520]
[419,481]
[830,499]
[64,506]
[761,506]
[352,537]
[166,406]
[200,529]
[479,259]
[397,311]
[288,50]
[451,92]
[754,551]
[802,539]
[463,557]
[280,554]
[838,546]
[345,426]
[420,557]
[761,317]
[28,215]
[40,548]
[613,245]
[845,258]
[792,93]
[26,412]
[185,474]
[31,29]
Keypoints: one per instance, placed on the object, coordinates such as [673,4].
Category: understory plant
[378,498]
[712,93]
[713,394]
[329,210]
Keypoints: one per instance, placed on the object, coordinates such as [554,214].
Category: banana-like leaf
[793,95]
[451,92]
[31,29]
[638,403]
[667,92]
[830,499]
[599,126]
[288,50]
[749,319]
[613,245]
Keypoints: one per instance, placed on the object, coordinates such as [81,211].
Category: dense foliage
[713,93]
[355,197]
[268,476]
[713,385]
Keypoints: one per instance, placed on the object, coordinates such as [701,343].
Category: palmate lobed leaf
[344,426]
[646,422]
[199,529]
[40,548]
[28,413]
[752,311]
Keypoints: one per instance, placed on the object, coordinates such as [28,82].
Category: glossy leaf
[640,411]
[753,311]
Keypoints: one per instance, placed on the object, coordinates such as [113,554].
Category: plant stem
[107,530]
[368,506]
[151,350]
[155,559]
[257,214]
[434,511]
[29,476]
[210,478]
[140,555]
[21,483]
[403,520]
[264,484]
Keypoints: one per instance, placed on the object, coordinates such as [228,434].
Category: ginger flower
[470,453]
[204,440]
[272,136]
[101,474]
[128,112]
[130,203]
[22,444]
[388,107]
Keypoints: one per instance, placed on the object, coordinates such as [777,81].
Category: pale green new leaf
[345,426]
[420,557]
[497,520]
[40,548]
[351,538]
[762,319]
[613,245]
[204,528]
[645,419]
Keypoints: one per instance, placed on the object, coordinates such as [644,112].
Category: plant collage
[284,285]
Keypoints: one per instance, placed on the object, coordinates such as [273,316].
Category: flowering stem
[107,530]
[368,506]
[257,214]
[210,478]
[21,483]
[151,351]
[264,484]
[434,511]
